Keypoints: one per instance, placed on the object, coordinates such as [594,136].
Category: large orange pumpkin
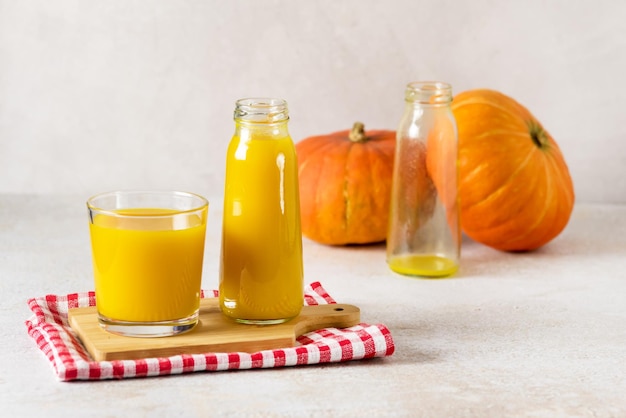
[515,188]
[345,185]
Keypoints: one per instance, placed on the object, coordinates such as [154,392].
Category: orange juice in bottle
[261,272]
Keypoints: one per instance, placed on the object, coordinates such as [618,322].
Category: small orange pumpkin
[515,188]
[345,185]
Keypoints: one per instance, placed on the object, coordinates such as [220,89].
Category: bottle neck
[428,93]
[264,116]
[261,110]
[248,130]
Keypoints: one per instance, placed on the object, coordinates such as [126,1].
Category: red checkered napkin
[50,329]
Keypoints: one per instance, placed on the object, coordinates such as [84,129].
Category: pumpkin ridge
[486,102]
[380,152]
[546,208]
[345,146]
[346,184]
[374,155]
[315,185]
[502,131]
[318,145]
[556,156]
[554,209]
[512,177]
[552,155]
[530,230]
[493,98]
[561,174]
[319,199]
[313,152]
[302,166]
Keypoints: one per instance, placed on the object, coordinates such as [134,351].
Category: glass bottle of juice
[261,271]
[424,236]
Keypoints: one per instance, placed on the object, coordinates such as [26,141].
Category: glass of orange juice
[147,252]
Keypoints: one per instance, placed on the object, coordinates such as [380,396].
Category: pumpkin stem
[357,134]
[538,135]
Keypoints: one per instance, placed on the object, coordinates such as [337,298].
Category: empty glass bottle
[424,236]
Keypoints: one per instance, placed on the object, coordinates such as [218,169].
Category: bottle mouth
[428,92]
[261,109]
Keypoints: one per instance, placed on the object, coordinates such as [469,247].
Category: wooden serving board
[213,333]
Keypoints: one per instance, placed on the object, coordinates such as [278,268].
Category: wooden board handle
[325,316]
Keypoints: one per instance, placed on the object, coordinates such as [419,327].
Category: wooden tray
[214,333]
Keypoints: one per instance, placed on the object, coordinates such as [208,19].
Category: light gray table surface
[539,334]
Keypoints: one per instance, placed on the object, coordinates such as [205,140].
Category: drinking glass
[147,253]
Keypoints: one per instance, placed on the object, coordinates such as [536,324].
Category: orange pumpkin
[345,185]
[515,188]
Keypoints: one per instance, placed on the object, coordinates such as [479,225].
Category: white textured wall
[98,95]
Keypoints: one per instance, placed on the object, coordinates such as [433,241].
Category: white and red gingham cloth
[50,329]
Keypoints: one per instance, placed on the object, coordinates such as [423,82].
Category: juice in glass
[261,274]
[147,265]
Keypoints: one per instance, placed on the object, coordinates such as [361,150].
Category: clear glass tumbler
[147,253]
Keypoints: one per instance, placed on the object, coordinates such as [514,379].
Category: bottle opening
[428,92]
[268,110]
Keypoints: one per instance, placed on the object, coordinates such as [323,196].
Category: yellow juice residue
[147,268]
[423,265]
[261,271]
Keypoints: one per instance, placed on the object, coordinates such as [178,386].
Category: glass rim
[261,110]
[262,102]
[203,203]
[430,85]
[428,92]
